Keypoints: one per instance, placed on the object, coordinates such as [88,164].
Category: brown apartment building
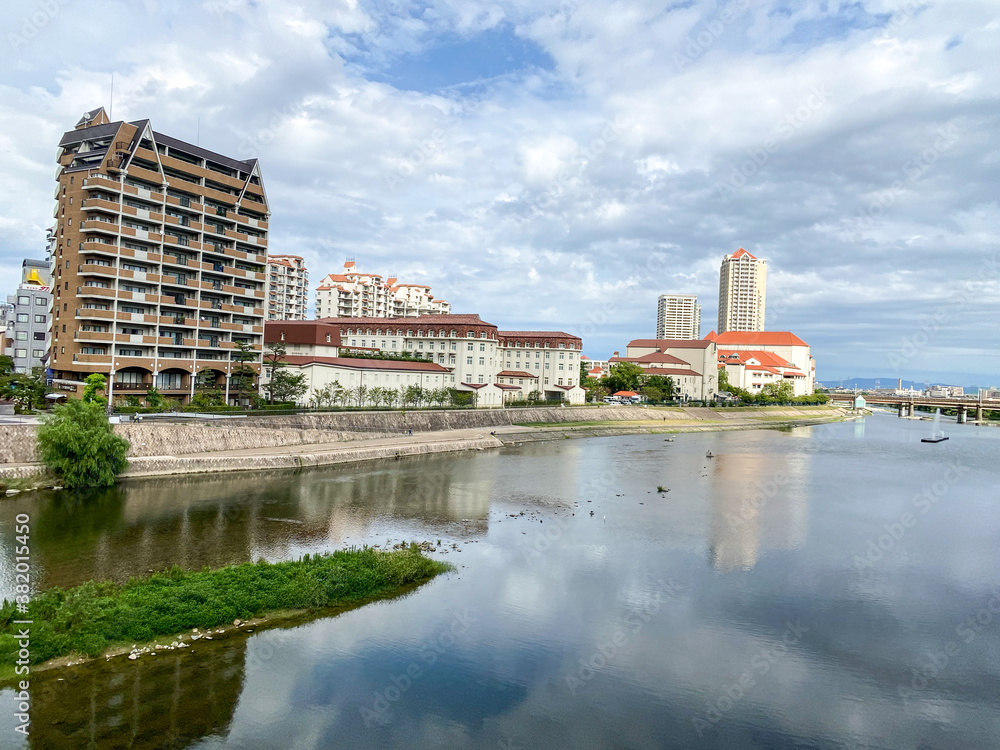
[160,260]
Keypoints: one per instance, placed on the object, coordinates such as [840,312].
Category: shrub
[78,444]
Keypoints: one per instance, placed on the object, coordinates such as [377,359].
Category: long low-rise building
[469,354]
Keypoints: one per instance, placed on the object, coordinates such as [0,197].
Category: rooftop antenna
[111,106]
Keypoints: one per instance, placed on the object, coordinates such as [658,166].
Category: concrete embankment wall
[149,438]
[17,442]
[161,465]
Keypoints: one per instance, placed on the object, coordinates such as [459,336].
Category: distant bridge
[907,405]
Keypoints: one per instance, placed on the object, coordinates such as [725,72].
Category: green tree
[414,395]
[274,362]
[460,398]
[208,398]
[26,390]
[624,376]
[94,383]
[661,385]
[287,386]
[155,399]
[6,365]
[783,391]
[243,376]
[360,394]
[79,445]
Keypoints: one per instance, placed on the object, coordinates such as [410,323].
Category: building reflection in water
[759,501]
[166,701]
[223,519]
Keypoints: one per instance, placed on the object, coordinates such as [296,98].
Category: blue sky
[558,165]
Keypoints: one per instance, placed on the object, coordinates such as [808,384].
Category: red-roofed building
[742,353]
[691,363]
[351,293]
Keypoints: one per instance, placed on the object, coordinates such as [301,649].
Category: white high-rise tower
[742,290]
[678,316]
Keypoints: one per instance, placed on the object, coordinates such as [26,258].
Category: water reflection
[223,519]
[758,500]
[763,535]
[166,701]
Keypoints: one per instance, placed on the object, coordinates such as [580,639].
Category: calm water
[825,587]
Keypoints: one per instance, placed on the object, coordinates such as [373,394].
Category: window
[482,335]
[480,378]
[482,360]
[394,343]
[482,347]
[24,299]
[93,350]
[454,346]
[37,353]
[41,301]
[38,335]
[468,360]
[20,352]
[40,318]
[562,356]
[21,335]
[129,352]
[22,318]
[470,335]
[469,347]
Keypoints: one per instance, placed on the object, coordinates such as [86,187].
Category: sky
[559,165]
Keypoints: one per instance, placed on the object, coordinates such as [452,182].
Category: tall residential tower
[678,316]
[159,261]
[287,288]
[742,289]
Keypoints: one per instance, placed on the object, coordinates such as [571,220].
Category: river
[834,586]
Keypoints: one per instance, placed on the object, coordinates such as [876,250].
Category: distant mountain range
[863,384]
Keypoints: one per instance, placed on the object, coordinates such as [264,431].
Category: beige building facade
[159,262]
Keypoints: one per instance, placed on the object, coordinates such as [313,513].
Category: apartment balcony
[99,336]
[191,203]
[96,269]
[99,204]
[95,291]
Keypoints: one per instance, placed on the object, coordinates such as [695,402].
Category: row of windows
[24,299]
[23,336]
[36,353]
[23,318]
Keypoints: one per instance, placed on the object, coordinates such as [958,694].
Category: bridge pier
[900,410]
[961,415]
[913,409]
[979,414]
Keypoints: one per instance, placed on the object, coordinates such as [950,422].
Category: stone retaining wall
[149,438]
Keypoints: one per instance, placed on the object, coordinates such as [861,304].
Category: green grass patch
[95,616]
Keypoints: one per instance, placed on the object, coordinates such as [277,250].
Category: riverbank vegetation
[94,617]
[79,446]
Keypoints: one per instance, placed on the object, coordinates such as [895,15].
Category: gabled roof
[660,357]
[515,374]
[757,338]
[661,344]
[741,253]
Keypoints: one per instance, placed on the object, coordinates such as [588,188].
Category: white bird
[605,519]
